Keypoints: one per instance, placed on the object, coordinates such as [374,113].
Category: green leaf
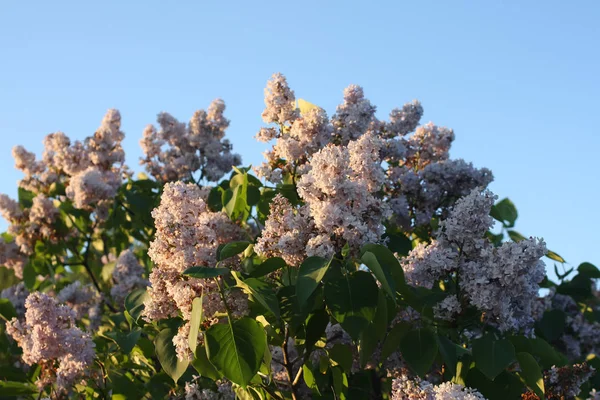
[205,272]
[268,266]
[392,341]
[134,303]
[352,301]
[8,388]
[196,320]
[589,270]
[419,348]
[515,236]
[237,206]
[203,366]
[450,352]
[231,249]
[7,310]
[236,349]
[305,106]
[7,278]
[381,270]
[310,274]
[215,199]
[505,212]
[165,351]
[553,256]
[531,373]
[107,271]
[390,266]
[492,356]
[342,355]
[375,332]
[315,328]
[552,325]
[547,354]
[126,341]
[261,291]
[399,243]
[25,197]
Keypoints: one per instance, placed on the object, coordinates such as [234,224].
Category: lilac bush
[360,262]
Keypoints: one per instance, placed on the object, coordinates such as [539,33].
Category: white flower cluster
[127,276]
[16,294]
[50,338]
[177,151]
[404,388]
[85,301]
[187,235]
[502,282]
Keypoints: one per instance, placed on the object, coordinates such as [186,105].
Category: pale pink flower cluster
[30,224]
[85,301]
[16,294]
[177,151]
[91,186]
[49,337]
[354,116]
[187,235]
[581,336]
[193,391]
[127,277]
[11,257]
[404,388]
[503,282]
[286,232]
[341,191]
[405,120]
[280,101]
[298,135]
[418,195]
[421,181]
[96,165]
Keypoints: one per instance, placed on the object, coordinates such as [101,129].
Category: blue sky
[517,81]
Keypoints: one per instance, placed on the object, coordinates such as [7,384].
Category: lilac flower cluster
[187,235]
[127,276]
[581,336]
[177,151]
[92,170]
[16,294]
[340,190]
[404,388]
[338,166]
[49,337]
[502,282]
[27,226]
[85,301]
[193,391]
[565,382]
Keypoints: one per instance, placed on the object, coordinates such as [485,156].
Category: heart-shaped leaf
[492,356]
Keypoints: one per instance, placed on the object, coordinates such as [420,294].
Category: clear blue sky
[518,81]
